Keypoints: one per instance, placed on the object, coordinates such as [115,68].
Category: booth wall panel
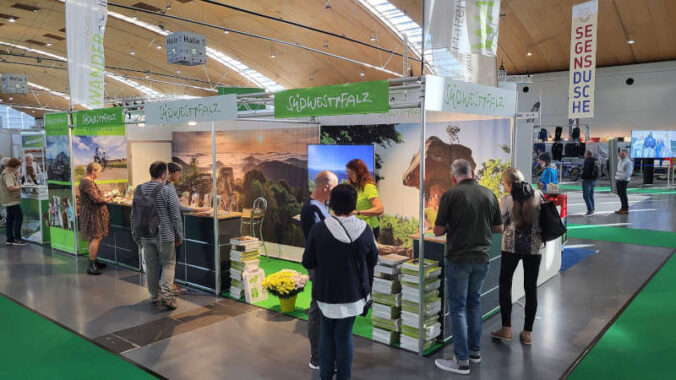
[130,258]
[144,154]
[123,239]
[198,254]
[107,252]
[180,272]
[201,277]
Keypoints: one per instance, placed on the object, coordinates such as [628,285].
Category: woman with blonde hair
[369,205]
[521,241]
[93,219]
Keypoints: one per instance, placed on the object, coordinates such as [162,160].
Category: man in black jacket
[314,211]
[590,173]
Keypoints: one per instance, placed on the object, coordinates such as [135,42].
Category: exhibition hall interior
[337,189]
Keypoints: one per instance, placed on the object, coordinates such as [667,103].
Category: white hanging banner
[85,27]
[210,108]
[448,95]
[582,60]
[461,39]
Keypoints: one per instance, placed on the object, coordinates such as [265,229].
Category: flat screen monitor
[653,144]
[335,157]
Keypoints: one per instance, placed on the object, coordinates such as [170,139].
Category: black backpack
[594,171]
[551,226]
[146,222]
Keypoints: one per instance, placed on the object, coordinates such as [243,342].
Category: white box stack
[243,254]
[386,292]
[410,309]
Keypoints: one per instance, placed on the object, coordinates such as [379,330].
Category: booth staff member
[10,189]
[314,211]
[622,176]
[369,206]
[550,174]
[94,217]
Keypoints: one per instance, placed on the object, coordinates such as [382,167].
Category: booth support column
[421,226]
[76,239]
[217,251]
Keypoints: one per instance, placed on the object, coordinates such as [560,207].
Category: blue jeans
[463,287]
[335,346]
[588,193]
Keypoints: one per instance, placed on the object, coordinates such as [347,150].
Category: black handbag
[551,226]
[369,301]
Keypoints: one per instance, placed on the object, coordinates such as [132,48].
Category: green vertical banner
[99,136]
[343,99]
[59,207]
[243,90]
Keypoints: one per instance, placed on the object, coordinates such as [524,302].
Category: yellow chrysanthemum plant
[285,283]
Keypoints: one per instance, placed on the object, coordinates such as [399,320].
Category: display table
[195,258]
[119,246]
[35,209]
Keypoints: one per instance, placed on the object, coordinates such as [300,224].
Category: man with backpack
[590,173]
[314,211]
[158,228]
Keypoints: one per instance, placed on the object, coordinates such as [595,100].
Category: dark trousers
[531,269]
[14,223]
[335,346]
[588,193]
[314,317]
[622,193]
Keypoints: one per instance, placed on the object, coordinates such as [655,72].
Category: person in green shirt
[369,206]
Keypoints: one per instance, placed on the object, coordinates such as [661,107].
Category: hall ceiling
[539,26]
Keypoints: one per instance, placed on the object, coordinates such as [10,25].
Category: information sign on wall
[187,49]
[448,95]
[582,60]
[101,122]
[344,99]
[212,108]
[14,84]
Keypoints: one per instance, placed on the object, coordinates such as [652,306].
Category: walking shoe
[177,290]
[622,212]
[525,339]
[170,304]
[9,243]
[20,243]
[475,357]
[500,334]
[589,213]
[314,362]
[155,301]
[92,268]
[453,365]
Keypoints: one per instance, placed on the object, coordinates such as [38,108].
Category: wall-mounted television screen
[335,157]
[653,144]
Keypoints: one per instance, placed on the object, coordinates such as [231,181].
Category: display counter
[36,213]
[119,246]
[195,258]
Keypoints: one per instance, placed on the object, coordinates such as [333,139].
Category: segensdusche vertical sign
[582,60]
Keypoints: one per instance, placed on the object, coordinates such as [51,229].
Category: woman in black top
[343,252]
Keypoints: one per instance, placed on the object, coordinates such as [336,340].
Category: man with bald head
[314,211]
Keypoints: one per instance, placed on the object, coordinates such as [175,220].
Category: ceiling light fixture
[48,44]
[11,98]
[530,53]
[132,52]
[11,19]
[226,31]
[325,44]
[361,74]
[373,37]
[178,71]
[630,41]
[159,47]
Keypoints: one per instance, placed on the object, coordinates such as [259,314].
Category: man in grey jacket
[622,176]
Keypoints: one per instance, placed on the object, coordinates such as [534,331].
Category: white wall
[650,103]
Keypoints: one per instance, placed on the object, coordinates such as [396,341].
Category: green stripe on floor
[640,344]
[35,348]
[622,235]
[629,191]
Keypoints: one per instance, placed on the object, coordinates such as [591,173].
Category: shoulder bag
[551,226]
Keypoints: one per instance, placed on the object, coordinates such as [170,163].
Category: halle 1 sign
[582,60]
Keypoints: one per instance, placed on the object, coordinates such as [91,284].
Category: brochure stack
[243,254]
[386,293]
[410,309]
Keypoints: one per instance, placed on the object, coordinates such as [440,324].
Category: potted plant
[286,284]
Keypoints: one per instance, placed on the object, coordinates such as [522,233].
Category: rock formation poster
[484,143]
[269,163]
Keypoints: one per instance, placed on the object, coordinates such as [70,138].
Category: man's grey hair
[326,177]
[461,168]
[29,155]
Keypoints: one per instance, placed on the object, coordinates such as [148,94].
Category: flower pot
[288,304]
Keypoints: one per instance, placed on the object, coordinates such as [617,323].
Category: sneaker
[20,243]
[314,362]
[452,365]
[589,213]
[475,357]
[9,243]
[177,290]
[170,304]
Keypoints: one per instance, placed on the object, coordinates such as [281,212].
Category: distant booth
[248,164]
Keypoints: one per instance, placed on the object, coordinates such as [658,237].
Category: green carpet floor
[362,325]
[629,191]
[622,235]
[640,344]
[36,348]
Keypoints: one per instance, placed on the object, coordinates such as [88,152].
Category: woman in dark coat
[93,218]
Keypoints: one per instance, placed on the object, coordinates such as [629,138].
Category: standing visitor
[10,190]
[521,241]
[164,232]
[590,173]
[549,174]
[343,252]
[468,214]
[369,206]
[622,176]
[94,218]
[314,211]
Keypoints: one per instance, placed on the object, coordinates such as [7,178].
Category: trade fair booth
[248,163]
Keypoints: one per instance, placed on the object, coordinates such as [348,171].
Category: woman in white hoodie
[343,252]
